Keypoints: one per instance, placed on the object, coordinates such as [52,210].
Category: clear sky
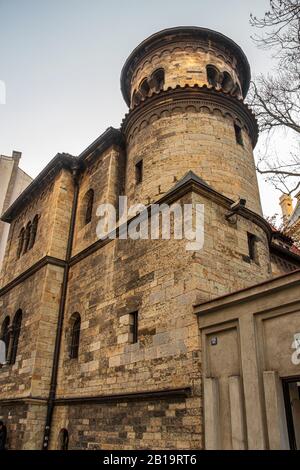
[61,62]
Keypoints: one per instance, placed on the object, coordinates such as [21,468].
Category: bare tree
[276,98]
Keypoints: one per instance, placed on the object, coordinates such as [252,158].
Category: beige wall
[247,350]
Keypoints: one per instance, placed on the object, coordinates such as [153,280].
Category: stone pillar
[252,389]
[276,420]
[211,413]
[237,414]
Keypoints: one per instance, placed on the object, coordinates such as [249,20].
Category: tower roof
[171,35]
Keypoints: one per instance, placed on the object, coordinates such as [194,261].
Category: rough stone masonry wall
[103,177]
[185,63]
[175,142]
[146,424]
[38,298]
[53,206]
[14,416]
[162,281]
[25,422]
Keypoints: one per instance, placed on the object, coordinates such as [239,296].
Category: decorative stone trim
[189,99]
[202,46]
[182,37]
[32,270]
[132,396]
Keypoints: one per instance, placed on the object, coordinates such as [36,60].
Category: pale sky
[61,62]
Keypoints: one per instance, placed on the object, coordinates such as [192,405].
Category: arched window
[75,335]
[21,242]
[89,202]
[144,87]
[136,98]
[63,439]
[227,82]
[5,333]
[213,75]
[27,237]
[15,336]
[33,232]
[157,80]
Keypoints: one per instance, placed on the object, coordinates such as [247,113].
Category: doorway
[291,392]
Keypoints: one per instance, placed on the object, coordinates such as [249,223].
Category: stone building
[291,216]
[13,181]
[108,340]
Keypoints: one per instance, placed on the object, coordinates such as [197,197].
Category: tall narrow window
[21,242]
[5,334]
[134,327]
[89,202]
[238,134]
[15,336]
[63,439]
[252,246]
[75,336]
[139,172]
[27,237]
[33,232]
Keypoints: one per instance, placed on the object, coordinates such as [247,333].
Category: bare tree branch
[276,98]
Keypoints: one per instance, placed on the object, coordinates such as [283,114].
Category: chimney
[16,155]
[286,205]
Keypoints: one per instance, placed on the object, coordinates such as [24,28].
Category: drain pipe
[52,393]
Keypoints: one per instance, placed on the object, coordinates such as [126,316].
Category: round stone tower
[185,88]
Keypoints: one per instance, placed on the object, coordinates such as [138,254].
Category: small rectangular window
[139,172]
[133,324]
[238,135]
[252,246]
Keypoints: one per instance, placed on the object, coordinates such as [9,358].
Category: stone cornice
[32,270]
[162,394]
[263,289]
[23,400]
[109,138]
[167,37]
[175,193]
[63,160]
[205,190]
[193,99]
